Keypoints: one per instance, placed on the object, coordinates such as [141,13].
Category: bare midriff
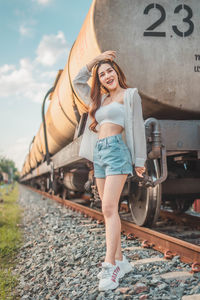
[109,129]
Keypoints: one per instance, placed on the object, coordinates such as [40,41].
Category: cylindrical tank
[157,48]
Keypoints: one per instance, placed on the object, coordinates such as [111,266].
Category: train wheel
[144,202]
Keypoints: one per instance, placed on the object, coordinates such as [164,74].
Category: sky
[36,36]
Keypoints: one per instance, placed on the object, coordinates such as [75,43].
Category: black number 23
[149,31]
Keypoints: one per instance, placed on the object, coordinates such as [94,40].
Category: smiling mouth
[110,81]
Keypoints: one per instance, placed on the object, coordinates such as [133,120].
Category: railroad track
[151,238]
[64,249]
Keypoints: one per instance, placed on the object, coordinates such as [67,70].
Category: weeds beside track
[10,239]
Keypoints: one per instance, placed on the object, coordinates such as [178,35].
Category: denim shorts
[112,157]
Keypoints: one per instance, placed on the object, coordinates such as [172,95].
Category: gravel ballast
[63,250]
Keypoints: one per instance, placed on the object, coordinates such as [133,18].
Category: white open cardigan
[134,132]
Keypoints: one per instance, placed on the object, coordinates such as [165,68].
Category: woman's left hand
[140,171]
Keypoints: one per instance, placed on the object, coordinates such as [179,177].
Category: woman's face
[108,77]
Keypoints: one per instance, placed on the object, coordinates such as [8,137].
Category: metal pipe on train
[157,47]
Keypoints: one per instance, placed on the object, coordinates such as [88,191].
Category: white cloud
[43,2]
[25,31]
[6,68]
[17,151]
[49,75]
[51,49]
[21,82]
[29,80]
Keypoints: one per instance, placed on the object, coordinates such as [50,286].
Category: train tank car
[157,48]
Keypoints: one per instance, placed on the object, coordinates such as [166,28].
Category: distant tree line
[8,166]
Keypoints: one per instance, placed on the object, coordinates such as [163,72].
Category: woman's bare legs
[112,190]
[100,185]
[118,254]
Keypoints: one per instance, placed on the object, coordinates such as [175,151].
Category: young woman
[114,108]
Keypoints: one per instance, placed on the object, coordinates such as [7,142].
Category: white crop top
[113,112]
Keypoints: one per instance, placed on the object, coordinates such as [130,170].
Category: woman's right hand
[110,54]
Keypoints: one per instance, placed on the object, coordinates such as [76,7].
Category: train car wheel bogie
[145,202]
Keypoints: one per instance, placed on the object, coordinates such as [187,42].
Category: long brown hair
[97,89]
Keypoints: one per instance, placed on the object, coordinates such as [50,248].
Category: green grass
[10,240]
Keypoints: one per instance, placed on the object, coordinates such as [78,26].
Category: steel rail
[188,253]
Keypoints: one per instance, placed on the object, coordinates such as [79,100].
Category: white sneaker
[109,277]
[125,267]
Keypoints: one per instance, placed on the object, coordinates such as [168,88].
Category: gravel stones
[62,253]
